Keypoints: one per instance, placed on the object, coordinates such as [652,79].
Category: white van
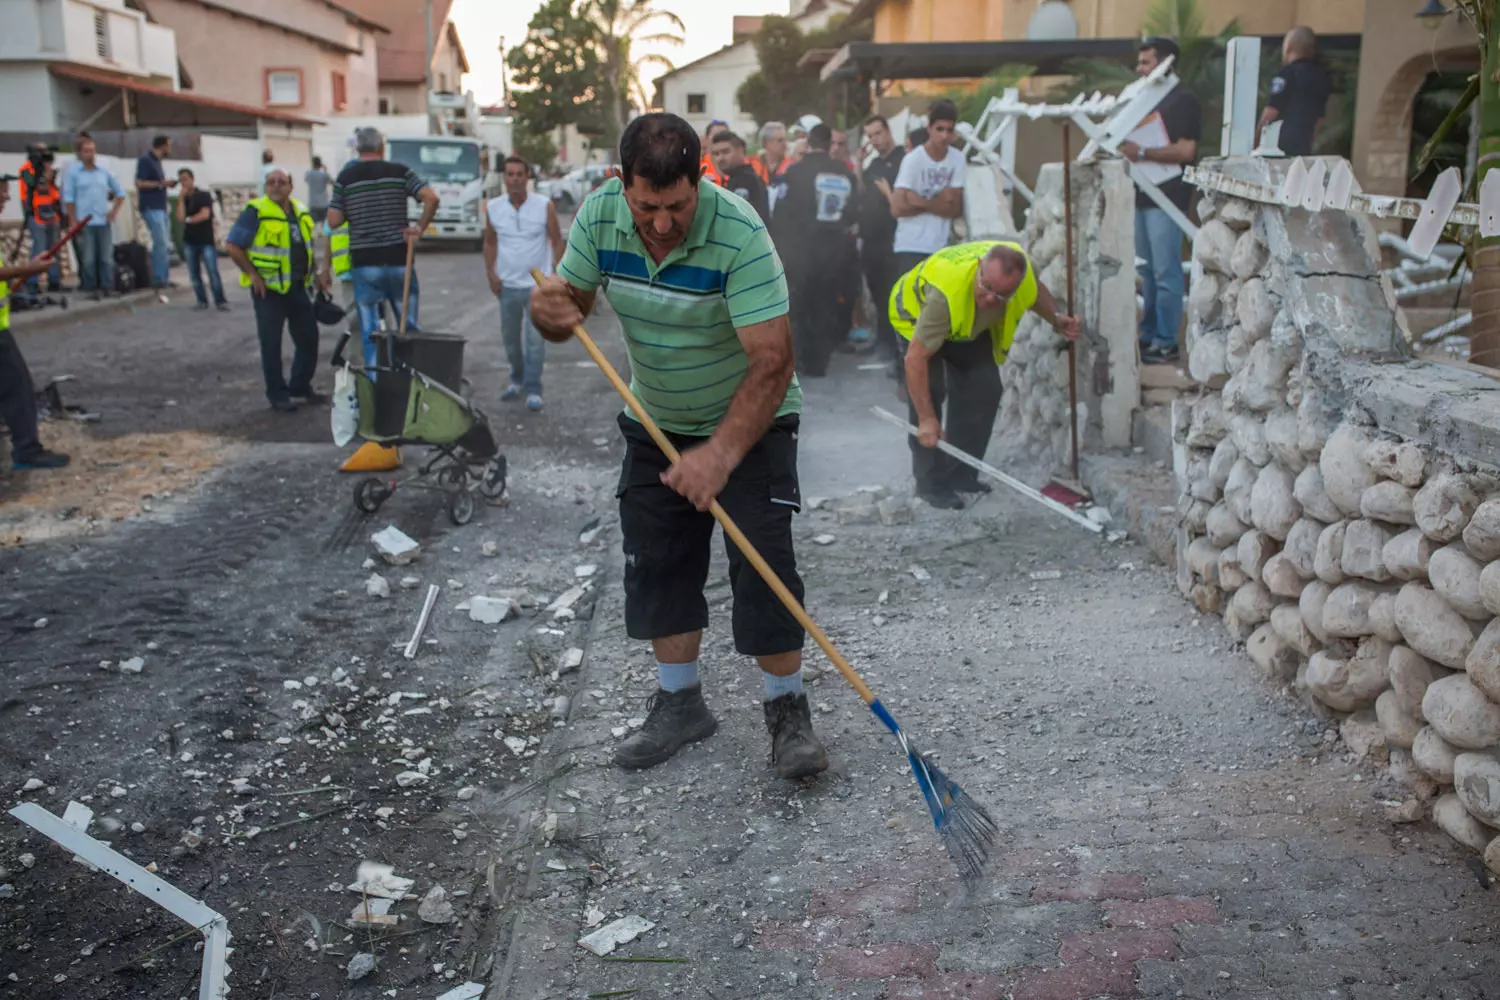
[455,166]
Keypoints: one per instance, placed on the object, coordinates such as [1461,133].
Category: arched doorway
[1387,146]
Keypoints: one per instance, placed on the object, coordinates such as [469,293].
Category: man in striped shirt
[371,194]
[701,295]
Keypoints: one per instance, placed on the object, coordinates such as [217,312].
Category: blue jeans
[43,237]
[96,252]
[1158,242]
[374,286]
[161,238]
[524,347]
[208,256]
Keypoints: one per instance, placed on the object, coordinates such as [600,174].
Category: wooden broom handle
[787,598]
[411,251]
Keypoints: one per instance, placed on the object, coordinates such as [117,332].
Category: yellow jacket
[954,271]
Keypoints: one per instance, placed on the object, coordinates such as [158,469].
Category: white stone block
[1208,424]
[1476,779]
[1432,627]
[1273,509]
[1223,459]
[1411,674]
[1482,535]
[1208,361]
[1231,576]
[1213,247]
[1363,737]
[1237,213]
[1346,613]
[1203,560]
[1455,575]
[1249,606]
[1223,527]
[1277,660]
[1443,507]
[1236,349]
[1401,461]
[1301,546]
[1249,256]
[1348,685]
[1390,502]
[1449,814]
[1255,310]
[1483,662]
[1203,297]
[1311,605]
[1461,714]
[1328,555]
[1314,499]
[1345,474]
[1286,619]
[1281,439]
[1406,555]
[1249,436]
[1281,577]
[1239,487]
[1383,618]
[1434,756]
[1399,726]
[1260,384]
[1314,426]
[1364,546]
[1255,548]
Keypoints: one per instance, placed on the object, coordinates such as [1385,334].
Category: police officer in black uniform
[1299,93]
[814,210]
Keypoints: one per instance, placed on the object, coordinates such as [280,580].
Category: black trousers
[964,375]
[879,265]
[17,399]
[292,311]
[666,541]
[816,305]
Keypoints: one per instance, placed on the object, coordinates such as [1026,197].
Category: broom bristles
[967,829]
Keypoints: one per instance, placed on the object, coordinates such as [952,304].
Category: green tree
[556,71]
[618,26]
[536,148]
[781,91]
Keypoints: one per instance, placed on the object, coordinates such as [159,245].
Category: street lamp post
[1432,14]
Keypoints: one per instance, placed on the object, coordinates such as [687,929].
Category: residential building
[402,62]
[705,89]
[312,57]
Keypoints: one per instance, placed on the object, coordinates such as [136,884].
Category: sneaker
[795,748]
[310,397]
[511,394]
[534,403]
[942,498]
[673,720]
[43,459]
[284,406]
[223,307]
[1160,354]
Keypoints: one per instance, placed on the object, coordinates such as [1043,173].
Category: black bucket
[439,356]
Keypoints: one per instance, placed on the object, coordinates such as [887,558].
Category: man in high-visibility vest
[272,245]
[17,394]
[959,310]
[710,170]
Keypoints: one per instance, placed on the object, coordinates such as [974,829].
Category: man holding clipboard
[1161,145]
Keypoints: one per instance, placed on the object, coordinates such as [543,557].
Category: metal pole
[1067,158]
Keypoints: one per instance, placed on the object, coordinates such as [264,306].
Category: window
[385,105]
[340,92]
[284,88]
[442,83]
[101,35]
[697,104]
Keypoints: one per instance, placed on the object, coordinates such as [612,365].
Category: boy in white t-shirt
[929,191]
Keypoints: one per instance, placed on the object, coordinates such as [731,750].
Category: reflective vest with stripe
[710,171]
[270,251]
[338,250]
[4,305]
[954,271]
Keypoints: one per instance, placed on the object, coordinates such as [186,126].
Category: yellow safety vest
[954,271]
[338,249]
[271,250]
[4,305]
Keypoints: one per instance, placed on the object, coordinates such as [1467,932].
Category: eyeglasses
[278,182]
[1002,296]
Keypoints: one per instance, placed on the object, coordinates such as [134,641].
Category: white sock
[778,686]
[676,676]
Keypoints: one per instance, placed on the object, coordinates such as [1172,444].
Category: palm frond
[660,38]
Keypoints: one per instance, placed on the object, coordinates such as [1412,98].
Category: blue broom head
[967,829]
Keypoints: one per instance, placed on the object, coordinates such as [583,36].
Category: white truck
[457,168]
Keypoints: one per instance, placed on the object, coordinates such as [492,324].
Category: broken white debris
[590,532]
[435,908]
[395,546]
[416,637]
[609,937]
[1099,515]
[565,602]
[920,575]
[1047,574]
[408,583]
[32,784]
[28,861]
[377,586]
[571,660]
[360,965]
[824,539]
[593,917]
[376,879]
[39,623]
[492,610]
[134,665]
[516,744]
[466,793]
[464,991]
[490,549]
[585,571]
[374,913]
[291,685]
[815,503]
[213,925]
[408,778]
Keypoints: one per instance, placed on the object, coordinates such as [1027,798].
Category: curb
[1139,493]
[29,322]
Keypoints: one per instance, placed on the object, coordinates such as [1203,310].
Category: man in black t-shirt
[1158,240]
[371,195]
[877,233]
[728,153]
[811,223]
[195,210]
[1299,94]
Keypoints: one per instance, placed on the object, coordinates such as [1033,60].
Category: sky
[481,23]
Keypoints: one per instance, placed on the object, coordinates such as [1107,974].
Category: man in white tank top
[520,233]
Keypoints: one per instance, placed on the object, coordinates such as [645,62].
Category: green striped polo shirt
[680,316]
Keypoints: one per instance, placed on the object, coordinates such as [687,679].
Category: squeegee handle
[731,530]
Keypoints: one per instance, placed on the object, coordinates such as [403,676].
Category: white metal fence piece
[1241,89]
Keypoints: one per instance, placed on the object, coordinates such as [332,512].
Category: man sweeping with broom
[702,298]
[959,310]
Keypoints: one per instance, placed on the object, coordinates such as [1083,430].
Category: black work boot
[673,720]
[795,748]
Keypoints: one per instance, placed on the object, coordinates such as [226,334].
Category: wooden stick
[731,530]
[411,252]
[1067,164]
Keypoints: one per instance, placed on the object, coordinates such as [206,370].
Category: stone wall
[1036,377]
[1336,506]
